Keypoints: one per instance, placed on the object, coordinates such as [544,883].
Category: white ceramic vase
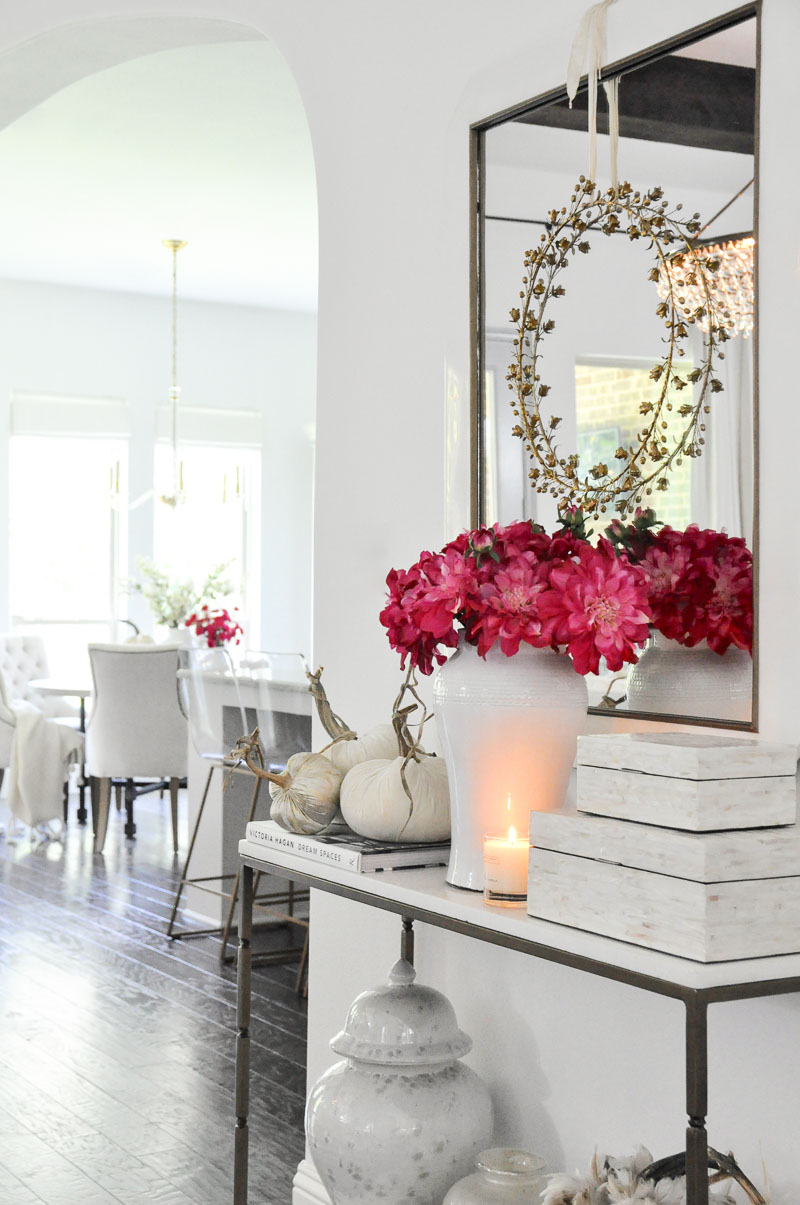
[509,728]
[671,679]
[504,1177]
[399,1118]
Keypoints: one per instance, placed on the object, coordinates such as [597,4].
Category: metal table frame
[695,1000]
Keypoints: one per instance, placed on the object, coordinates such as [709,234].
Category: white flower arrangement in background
[172,602]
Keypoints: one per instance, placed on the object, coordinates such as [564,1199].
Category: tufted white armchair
[22,659]
[137,728]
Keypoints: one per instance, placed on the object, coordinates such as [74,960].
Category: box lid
[721,857]
[695,755]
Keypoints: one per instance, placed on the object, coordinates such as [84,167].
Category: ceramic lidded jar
[399,1119]
[504,1177]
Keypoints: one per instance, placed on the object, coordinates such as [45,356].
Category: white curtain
[723,477]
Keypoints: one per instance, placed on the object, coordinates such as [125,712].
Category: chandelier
[177,496]
[733,258]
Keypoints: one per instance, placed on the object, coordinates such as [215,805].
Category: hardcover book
[347,850]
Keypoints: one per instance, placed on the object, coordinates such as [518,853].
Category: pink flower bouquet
[508,585]
[218,627]
[699,583]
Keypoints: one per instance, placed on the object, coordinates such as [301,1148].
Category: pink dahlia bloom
[510,608]
[597,607]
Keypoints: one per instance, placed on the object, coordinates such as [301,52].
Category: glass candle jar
[504,1177]
[505,870]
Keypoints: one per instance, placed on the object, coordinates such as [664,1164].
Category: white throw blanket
[41,751]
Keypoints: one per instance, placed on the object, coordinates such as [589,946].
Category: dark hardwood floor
[117,1046]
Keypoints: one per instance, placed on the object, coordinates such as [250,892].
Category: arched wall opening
[86,307]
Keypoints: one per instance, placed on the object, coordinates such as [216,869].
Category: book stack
[348,851]
[685,843]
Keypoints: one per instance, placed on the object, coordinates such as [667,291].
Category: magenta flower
[597,607]
[511,585]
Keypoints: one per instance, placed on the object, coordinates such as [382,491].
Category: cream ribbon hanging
[589,47]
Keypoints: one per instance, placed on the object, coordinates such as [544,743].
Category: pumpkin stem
[405,741]
[248,748]
[333,724]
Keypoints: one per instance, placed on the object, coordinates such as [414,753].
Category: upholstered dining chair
[137,729]
[23,658]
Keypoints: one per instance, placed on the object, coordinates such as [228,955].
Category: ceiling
[206,143]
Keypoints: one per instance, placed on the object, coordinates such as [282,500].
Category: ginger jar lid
[401,1024]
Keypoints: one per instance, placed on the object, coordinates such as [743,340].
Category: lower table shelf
[423,895]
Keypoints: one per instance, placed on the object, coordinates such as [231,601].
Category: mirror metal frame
[477,309]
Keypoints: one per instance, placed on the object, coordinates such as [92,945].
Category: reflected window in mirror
[688,124]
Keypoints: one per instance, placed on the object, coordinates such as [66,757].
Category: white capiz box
[697,782]
[710,897]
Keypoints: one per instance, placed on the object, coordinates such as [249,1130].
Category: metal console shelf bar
[422,895]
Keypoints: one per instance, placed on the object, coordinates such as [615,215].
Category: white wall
[86,342]
[390,92]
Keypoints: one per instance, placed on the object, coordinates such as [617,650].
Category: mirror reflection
[687,122]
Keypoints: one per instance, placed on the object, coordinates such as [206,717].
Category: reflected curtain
[723,477]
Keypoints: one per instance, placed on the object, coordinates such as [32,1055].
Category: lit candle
[505,865]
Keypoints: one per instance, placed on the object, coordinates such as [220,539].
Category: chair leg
[2,773]
[130,794]
[93,801]
[235,890]
[185,874]
[100,811]
[66,799]
[173,801]
[118,796]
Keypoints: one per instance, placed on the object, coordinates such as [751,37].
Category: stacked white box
[684,843]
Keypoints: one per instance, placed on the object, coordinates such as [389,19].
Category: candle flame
[512,835]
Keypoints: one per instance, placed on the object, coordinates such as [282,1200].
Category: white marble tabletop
[427,889]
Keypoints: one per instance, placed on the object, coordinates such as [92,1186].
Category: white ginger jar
[504,1176]
[399,1118]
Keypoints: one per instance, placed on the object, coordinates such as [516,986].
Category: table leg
[82,784]
[696,1102]
[243,995]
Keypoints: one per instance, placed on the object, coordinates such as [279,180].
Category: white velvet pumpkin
[375,804]
[377,742]
[305,798]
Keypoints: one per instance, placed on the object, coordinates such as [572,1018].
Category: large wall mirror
[688,120]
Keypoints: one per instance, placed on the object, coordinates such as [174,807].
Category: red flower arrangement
[699,583]
[218,627]
[515,584]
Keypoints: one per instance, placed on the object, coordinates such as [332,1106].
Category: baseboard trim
[307,1187]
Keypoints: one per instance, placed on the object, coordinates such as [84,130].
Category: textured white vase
[671,679]
[399,1118]
[509,728]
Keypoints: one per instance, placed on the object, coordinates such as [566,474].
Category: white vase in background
[504,1177]
[509,728]
[671,679]
[400,1118]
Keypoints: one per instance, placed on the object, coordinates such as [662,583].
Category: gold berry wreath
[645,465]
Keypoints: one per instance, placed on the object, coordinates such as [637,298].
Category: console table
[423,895]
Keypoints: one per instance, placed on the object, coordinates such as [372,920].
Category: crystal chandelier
[177,496]
[734,290]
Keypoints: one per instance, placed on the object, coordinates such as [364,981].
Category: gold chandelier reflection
[734,276]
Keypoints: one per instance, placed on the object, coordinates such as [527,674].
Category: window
[66,544]
[219,521]
[608,400]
